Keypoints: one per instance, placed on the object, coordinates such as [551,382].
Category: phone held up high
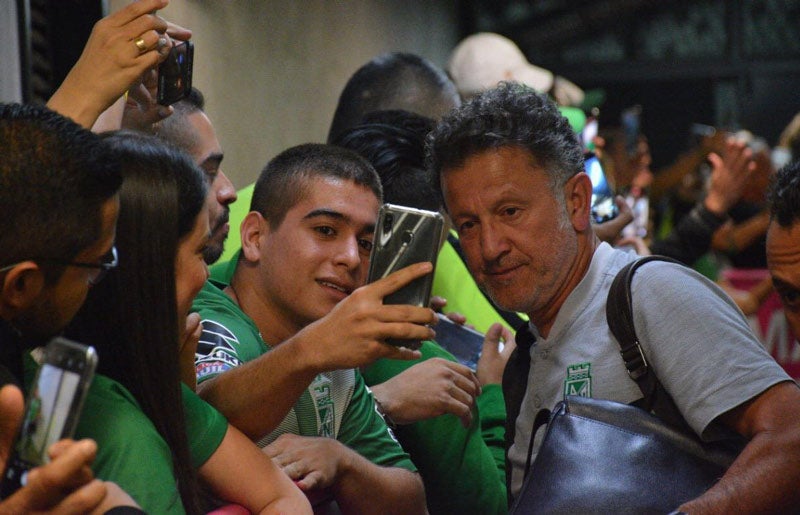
[404,236]
[603,206]
[175,74]
[52,408]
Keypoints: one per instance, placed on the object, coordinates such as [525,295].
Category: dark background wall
[734,64]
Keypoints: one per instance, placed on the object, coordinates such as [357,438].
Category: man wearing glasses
[58,211]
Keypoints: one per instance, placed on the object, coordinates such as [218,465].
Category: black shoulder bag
[599,456]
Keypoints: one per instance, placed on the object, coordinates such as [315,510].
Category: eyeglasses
[107,262]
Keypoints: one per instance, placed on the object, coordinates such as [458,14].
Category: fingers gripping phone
[175,74]
[465,343]
[52,407]
[404,236]
[603,206]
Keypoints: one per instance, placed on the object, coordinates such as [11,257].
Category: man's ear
[21,286]
[578,197]
[254,227]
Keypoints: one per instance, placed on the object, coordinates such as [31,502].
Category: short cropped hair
[54,178]
[784,195]
[175,129]
[394,80]
[510,115]
[394,143]
[283,182]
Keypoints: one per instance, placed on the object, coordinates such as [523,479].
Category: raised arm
[120,48]
[350,336]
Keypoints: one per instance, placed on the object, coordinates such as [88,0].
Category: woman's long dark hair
[131,316]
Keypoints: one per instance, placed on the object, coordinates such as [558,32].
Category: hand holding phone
[461,341]
[404,236]
[175,74]
[52,409]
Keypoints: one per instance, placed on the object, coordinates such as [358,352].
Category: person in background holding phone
[49,258]
[449,419]
[281,343]
[120,57]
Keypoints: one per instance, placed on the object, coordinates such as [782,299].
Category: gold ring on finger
[141,45]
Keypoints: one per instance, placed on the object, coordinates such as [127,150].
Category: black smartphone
[462,342]
[603,207]
[404,236]
[175,74]
[52,408]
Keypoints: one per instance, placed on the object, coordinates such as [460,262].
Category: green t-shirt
[130,451]
[463,469]
[337,404]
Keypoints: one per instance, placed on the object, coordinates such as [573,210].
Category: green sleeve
[459,469]
[130,452]
[205,426]
[364,431]
[492,408]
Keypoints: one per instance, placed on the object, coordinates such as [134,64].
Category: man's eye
[365,244]
[325,230]
[465,226]
[790,298]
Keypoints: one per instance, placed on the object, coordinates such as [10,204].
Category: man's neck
[274,324]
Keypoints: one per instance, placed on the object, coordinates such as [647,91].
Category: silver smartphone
[404,236]
[52,408]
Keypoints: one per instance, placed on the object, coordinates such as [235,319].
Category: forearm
[691,238]
[256,396]
[71,102]
[363,487]
[763,479]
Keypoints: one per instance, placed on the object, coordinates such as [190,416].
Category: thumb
[11,408]
[492,339]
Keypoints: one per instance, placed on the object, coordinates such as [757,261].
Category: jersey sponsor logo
[579,380]
[215,350]
[321,393]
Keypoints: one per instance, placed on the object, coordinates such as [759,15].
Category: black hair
[510,115]
[784,195]
[54,179]
[175,129]
[131,317]
[394,81]
[394,143]
[282,183]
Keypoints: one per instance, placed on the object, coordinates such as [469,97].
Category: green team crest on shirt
[579,380]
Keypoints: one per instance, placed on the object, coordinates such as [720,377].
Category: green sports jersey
[463,469]
[133,454]
[336,404]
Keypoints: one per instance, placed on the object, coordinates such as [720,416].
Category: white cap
[483,60]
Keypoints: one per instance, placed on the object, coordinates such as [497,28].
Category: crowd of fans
[266,384]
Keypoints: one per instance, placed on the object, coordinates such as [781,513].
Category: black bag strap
[515,383]
[619,314]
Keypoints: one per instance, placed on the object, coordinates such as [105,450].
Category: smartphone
[404,236]
[175,74]
[462,342]
[52,407]
[630,120]
[603,207]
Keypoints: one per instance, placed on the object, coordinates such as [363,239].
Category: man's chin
[212,253]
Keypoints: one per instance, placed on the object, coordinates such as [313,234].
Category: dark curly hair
[508,115]
[784,195]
